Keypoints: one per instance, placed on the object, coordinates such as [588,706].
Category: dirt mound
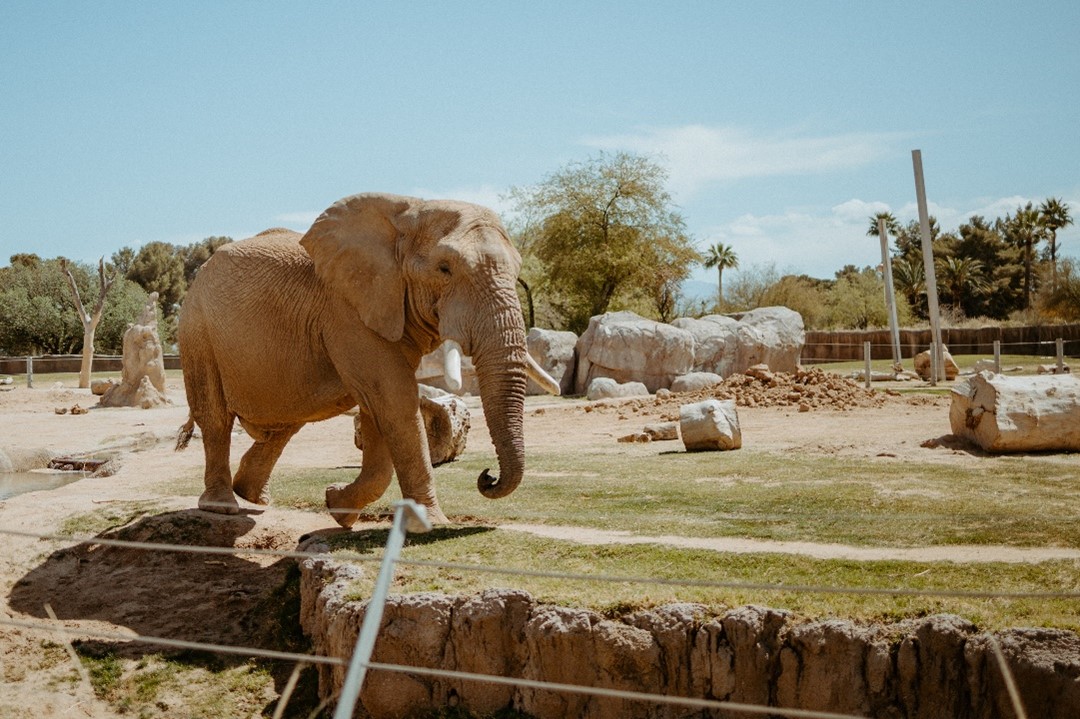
[805,389]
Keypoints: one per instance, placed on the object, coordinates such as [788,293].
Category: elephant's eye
[444,267]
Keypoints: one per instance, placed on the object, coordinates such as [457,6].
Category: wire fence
[360,661]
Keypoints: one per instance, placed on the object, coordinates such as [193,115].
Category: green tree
[801,293]
[857,300]
[157,267]
[961,277]
[605,233]
[1053,215]
[35,309]
[1024,231]
[195,254]
[1003,271]
[751,286]
[722,257]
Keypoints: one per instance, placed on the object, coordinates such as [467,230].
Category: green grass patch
[784,577]
[784,496]
[111,516]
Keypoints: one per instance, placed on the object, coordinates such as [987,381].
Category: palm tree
[961,276]
[1024,231]
[892,226]
[1053,215]
[909,276]
[722,257]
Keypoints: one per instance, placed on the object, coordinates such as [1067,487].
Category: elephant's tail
[184,435]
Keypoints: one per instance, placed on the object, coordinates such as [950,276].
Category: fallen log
[1017,414]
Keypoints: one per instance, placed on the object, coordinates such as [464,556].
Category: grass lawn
[1007,501]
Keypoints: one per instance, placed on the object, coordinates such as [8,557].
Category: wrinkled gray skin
[280,330]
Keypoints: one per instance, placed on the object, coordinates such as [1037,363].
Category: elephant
[280,329]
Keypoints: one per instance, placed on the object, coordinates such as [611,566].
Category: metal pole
[408,516]
[1060,355]
[937,356]
[866,356]
[997,356]
[29,372]
[890,294]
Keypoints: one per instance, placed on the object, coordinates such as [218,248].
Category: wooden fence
[847,345]
[72,363]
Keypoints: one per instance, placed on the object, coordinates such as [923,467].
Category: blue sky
[784,126]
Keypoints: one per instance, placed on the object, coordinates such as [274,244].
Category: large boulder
[607,388]
[554,352]
[770,335]
[729,344]
[710,425]
[716,341]
[1017,414]
[627,347]
[922,364]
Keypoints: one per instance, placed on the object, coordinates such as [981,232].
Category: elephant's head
[427,271]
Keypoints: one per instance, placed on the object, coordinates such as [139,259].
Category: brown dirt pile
[805,389]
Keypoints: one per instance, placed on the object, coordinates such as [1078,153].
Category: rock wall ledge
[937,666]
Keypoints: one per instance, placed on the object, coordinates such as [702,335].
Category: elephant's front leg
[345,500]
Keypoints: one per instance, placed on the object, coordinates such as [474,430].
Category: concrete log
[1017,414]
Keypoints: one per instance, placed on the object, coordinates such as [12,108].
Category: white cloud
[698,154]
[819,243]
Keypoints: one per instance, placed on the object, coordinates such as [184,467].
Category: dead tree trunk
[89,319]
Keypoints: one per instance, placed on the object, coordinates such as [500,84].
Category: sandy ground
[201,598]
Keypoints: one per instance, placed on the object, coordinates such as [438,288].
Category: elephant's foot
[341,509]
[256,493]
[219,500]
[435,515]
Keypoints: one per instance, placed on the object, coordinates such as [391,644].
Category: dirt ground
[130,591]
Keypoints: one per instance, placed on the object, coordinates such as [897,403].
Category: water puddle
[13,483]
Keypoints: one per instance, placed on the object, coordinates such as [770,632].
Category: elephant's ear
[355,248]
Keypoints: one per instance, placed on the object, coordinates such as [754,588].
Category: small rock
[607,388]
[761,372]
[79,410]
[61,410]
[662,431]
[635,437]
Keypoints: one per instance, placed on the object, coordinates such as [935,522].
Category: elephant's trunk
[499,358]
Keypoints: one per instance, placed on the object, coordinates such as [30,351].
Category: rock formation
[554,351]
[142,381]
[627,347]
[607,388]
[921,362]
[937,666]
[729,344]
[1017,414]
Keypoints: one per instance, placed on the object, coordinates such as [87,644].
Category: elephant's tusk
[542,378]
[452,365]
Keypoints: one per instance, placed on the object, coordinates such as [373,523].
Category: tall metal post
[890,293]
[937,355]
[29,372]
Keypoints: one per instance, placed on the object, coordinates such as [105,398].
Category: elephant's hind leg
[257,463]
[217,437]
[376,470]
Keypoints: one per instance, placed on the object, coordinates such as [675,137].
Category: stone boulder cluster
[622,354]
